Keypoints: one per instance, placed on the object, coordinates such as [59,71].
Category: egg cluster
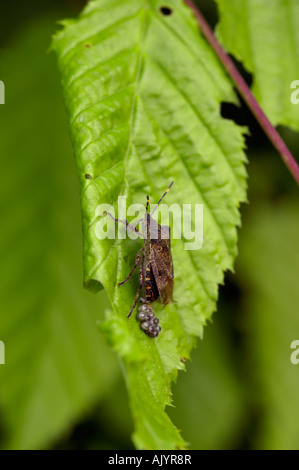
[148,322]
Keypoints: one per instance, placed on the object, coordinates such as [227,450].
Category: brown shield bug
[155,269]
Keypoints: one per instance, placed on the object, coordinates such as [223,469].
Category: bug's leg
[126,223]
[139,290]
[141,273]
[134,227]
[135,301]
[137,261]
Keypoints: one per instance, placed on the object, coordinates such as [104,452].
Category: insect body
[155,269]
[158,266]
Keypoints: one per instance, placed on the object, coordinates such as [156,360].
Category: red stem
[245,92]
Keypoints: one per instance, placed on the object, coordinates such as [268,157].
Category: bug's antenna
[160,200]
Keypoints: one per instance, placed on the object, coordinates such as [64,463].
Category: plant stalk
[246,93]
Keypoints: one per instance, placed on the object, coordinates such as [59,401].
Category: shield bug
[155,268]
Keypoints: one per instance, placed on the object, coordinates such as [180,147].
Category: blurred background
[61,386]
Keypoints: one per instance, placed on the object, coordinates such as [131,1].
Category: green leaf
[143,93]
[52,375]
[269,268]
[266,40]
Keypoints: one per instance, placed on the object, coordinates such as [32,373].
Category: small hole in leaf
[166,11]
[87,45]
[87,176]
